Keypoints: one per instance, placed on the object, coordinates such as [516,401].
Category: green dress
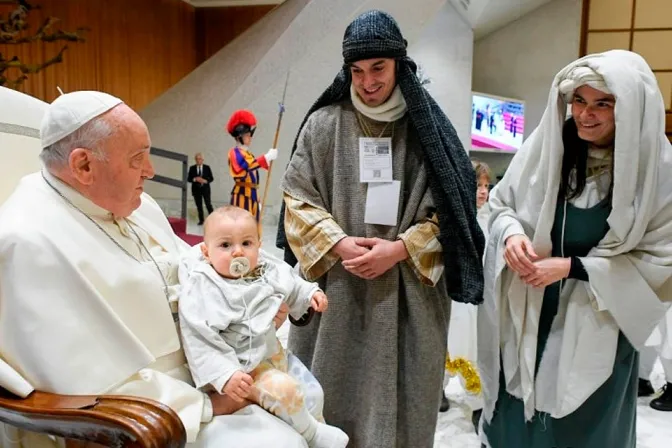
[607,418]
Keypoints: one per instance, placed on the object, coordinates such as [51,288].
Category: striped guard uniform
[244,167]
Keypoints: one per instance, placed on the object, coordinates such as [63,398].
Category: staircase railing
[178,183]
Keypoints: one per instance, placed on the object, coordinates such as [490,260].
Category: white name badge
[382,203]
[375,159]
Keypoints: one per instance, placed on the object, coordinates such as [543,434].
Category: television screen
[497,123]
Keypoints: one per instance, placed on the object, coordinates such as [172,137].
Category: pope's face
[117,180]
[374,80]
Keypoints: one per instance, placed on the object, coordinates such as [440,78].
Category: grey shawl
[379,350]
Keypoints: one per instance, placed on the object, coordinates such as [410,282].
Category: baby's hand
[319,302]
[238,386]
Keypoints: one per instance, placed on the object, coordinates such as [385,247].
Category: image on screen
[497,124]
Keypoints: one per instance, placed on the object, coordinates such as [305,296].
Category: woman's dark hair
[575,158]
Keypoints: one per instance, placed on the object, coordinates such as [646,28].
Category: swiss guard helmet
[241,122]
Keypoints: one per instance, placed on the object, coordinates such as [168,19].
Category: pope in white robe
[88,300]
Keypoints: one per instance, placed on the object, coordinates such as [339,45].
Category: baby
[230,294]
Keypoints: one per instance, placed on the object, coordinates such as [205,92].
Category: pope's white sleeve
[191,405]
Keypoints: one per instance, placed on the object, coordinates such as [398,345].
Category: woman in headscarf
[578,262]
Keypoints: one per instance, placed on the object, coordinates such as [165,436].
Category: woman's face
[593,113]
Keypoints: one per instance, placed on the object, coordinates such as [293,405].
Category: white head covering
[71,111]
[630,270]
[581,76]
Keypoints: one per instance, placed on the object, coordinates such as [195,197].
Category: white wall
[521,60]
[302,37]
[445,51]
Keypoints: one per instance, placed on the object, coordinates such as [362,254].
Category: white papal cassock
[81,315]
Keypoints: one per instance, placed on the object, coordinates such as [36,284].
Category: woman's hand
[548,271]
[520,256]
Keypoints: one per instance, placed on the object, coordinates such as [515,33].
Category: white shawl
[630,270]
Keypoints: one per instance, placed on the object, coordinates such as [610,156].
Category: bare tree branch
[12,32]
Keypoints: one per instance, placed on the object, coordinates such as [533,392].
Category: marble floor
[454,429]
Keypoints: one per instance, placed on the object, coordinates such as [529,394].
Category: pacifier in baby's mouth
[239,266]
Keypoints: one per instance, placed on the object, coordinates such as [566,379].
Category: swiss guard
[243,165]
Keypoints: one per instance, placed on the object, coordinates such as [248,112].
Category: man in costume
[88,269]
[200,176]
[380,209]
[243,165]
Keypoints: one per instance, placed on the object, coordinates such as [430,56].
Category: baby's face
[228,238]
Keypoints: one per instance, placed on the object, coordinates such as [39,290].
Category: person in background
[462,331]
[200,176]
[660,347]
[243,165]
[483,182]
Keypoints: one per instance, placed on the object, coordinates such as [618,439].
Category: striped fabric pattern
[315,232]
[244,167]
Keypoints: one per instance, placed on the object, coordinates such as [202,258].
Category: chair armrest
[110,420]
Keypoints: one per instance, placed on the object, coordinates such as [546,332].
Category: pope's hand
[271,155]
[225,405]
